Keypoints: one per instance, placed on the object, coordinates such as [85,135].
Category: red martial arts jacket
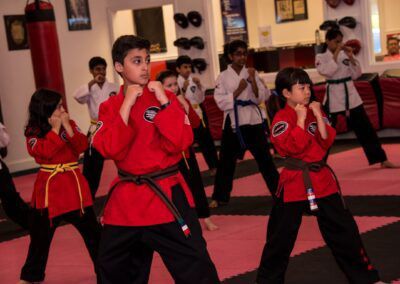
[64,194]
[153,140]
[292,141]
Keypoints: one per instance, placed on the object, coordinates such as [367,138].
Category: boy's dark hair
[42,105]
[183,59]
[125,43]
[235,45]
[332,34]
[164,75]
[97,60]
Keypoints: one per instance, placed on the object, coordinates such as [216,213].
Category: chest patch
[193,89]
[312,127]
[112,94]
[346,62]
[150,113]
[64,136]
[279,128]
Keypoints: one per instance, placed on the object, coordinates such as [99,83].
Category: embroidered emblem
[346,62]
[150,113]
[279,128]
[64,136]
[112,94]
[32,142]
[312,127]
[193,89]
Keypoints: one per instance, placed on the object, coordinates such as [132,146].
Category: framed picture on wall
[17,36]
[78,15]
[290,10]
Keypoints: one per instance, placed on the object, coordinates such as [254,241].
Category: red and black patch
[112,94]
[150,113]
[193,89]
[279,128]
[63,136]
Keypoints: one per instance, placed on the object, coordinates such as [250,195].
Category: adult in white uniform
[340,68]
[14,207]
[93,94]
[238,93]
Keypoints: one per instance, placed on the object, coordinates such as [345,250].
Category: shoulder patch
[312,127]
[63,136]
[193,89]
[279,128]
[32,142]
[150,113]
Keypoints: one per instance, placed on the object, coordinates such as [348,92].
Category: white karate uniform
[227,82]
[95,96]
[336,70]
[193,94]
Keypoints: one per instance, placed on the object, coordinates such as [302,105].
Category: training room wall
[16,73]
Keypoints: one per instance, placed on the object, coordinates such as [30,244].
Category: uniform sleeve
[79,140]
[261,90]
[355,70]
[46,147]
[222,97]
[112,137]
[288,140]
[193,116]
[174,127]
[325,65]
[331,132]
[4,137]
[82,94]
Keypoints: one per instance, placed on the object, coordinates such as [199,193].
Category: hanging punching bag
[43,43]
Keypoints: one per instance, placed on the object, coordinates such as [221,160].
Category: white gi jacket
[95,96]
[227,82]
[4,138]
[193,94]
[336,70]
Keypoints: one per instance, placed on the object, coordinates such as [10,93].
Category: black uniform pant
[365,133]
[15,208]
[203,137]
[93,163]
[126,252]
[41,234]
[338,229]
[193,178]
[256,143]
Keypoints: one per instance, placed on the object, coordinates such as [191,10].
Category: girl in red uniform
[302,134]
[61,193]
[188,166]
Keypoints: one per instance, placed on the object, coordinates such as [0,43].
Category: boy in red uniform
[149,207]
[301,134]
[61,192]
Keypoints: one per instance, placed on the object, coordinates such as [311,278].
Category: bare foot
[210,225]
[388,165]
[213,204]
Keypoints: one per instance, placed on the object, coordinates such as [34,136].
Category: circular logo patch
[279,128]
[312,127]
[150,113]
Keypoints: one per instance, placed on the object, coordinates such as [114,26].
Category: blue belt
[243,103]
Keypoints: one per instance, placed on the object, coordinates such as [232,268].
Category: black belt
[150,180]
[297,164]
[336,82]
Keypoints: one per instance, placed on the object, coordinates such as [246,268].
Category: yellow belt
[195,106]
[55,169]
